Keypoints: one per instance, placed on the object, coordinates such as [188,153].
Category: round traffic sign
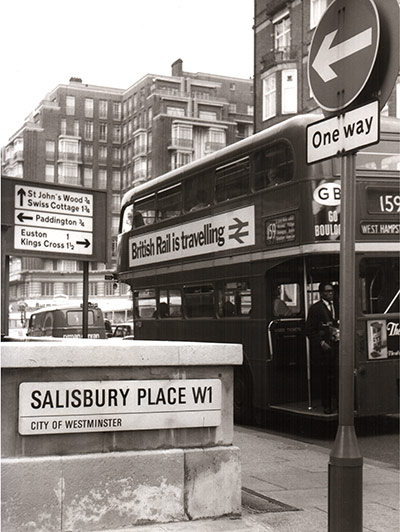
[343,52]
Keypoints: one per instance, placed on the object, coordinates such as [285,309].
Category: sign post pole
[85,305]
[345,461]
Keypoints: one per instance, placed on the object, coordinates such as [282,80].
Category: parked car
[121,330]
[66,322]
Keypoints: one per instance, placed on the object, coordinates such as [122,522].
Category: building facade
[114,139]
[283,30]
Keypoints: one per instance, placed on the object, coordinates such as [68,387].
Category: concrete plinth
[115,479]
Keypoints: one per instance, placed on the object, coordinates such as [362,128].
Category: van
[66,322]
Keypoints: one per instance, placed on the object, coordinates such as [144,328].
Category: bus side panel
[377,387]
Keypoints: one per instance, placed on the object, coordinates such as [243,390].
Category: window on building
[149,141]
[208,115]
[182,135]
[88,130]
[233,108]
[50,150]
[269,96]
[117,110]
[175,111]
[102,179]
[103,131]
[70,289]
[88,152]
[76,128]
[116,180]
[116,154]
[116,135]
[68,149]
[89,107]
[317,8]
[93,288]
[108,288]
[63,126]
[116,203]
[103,153]
[70,105]
[50,173]
[149,115]
[88,177]
[180,158]
[103,108]
[250,110]
[289,91]
[232,86]
[398,100]
[281,31]
[68,174]
[47,289]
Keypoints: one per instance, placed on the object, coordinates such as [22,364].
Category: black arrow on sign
[238,226]
[21,193]
[85,243]
[21,217]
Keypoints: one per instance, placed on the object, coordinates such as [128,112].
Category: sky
[114,43]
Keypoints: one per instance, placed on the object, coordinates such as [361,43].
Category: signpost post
[343,73]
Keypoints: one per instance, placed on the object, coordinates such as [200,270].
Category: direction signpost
[48,220]
[343,73]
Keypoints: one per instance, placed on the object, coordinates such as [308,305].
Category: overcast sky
[114,43]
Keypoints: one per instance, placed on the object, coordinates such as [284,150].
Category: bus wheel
[242,397]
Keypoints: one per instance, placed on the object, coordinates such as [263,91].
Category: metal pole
[345,461]
[85,306]
[308,362]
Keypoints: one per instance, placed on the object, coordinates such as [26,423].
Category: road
[378,437]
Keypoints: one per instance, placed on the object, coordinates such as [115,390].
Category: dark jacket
[318,325]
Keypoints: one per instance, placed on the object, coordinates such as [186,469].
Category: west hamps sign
[229,230]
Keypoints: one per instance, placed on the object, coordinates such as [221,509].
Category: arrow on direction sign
[327,55]
[85,243]
[21,193]
[239,233]
[22,217]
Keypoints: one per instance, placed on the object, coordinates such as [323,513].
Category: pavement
[285,489]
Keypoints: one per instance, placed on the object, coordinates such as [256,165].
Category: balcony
[281,55]
[210,147]
[65,156]
[180,143]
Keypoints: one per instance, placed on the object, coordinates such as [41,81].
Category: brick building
[113,139]
[283,31]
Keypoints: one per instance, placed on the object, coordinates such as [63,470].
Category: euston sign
[226,231]
[343,52]
[104,406]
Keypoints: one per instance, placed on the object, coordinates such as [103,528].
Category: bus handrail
[270,324]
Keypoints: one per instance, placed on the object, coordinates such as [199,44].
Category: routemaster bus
[209,247]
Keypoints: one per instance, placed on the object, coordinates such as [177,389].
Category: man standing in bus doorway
[322,330]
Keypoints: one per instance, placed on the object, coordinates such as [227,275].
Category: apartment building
[114,139]
[283,30]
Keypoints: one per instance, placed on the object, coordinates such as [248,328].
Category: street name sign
[343,133]
[103,406]
[48,220]
[343,52]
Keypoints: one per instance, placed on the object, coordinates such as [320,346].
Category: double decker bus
[208,248]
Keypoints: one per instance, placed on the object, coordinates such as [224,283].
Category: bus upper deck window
[127,218]
[197,192]
[232,180]
[169,202]
[383,156]
[273,165]
[144,211]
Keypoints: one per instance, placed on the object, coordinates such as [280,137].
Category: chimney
[177,68]
[75,80]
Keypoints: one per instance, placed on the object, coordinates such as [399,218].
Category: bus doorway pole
[85,306]
[345,460]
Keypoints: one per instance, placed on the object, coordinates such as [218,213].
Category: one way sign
[343,52]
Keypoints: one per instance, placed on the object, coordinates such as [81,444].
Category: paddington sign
[104,406]
[225,231]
